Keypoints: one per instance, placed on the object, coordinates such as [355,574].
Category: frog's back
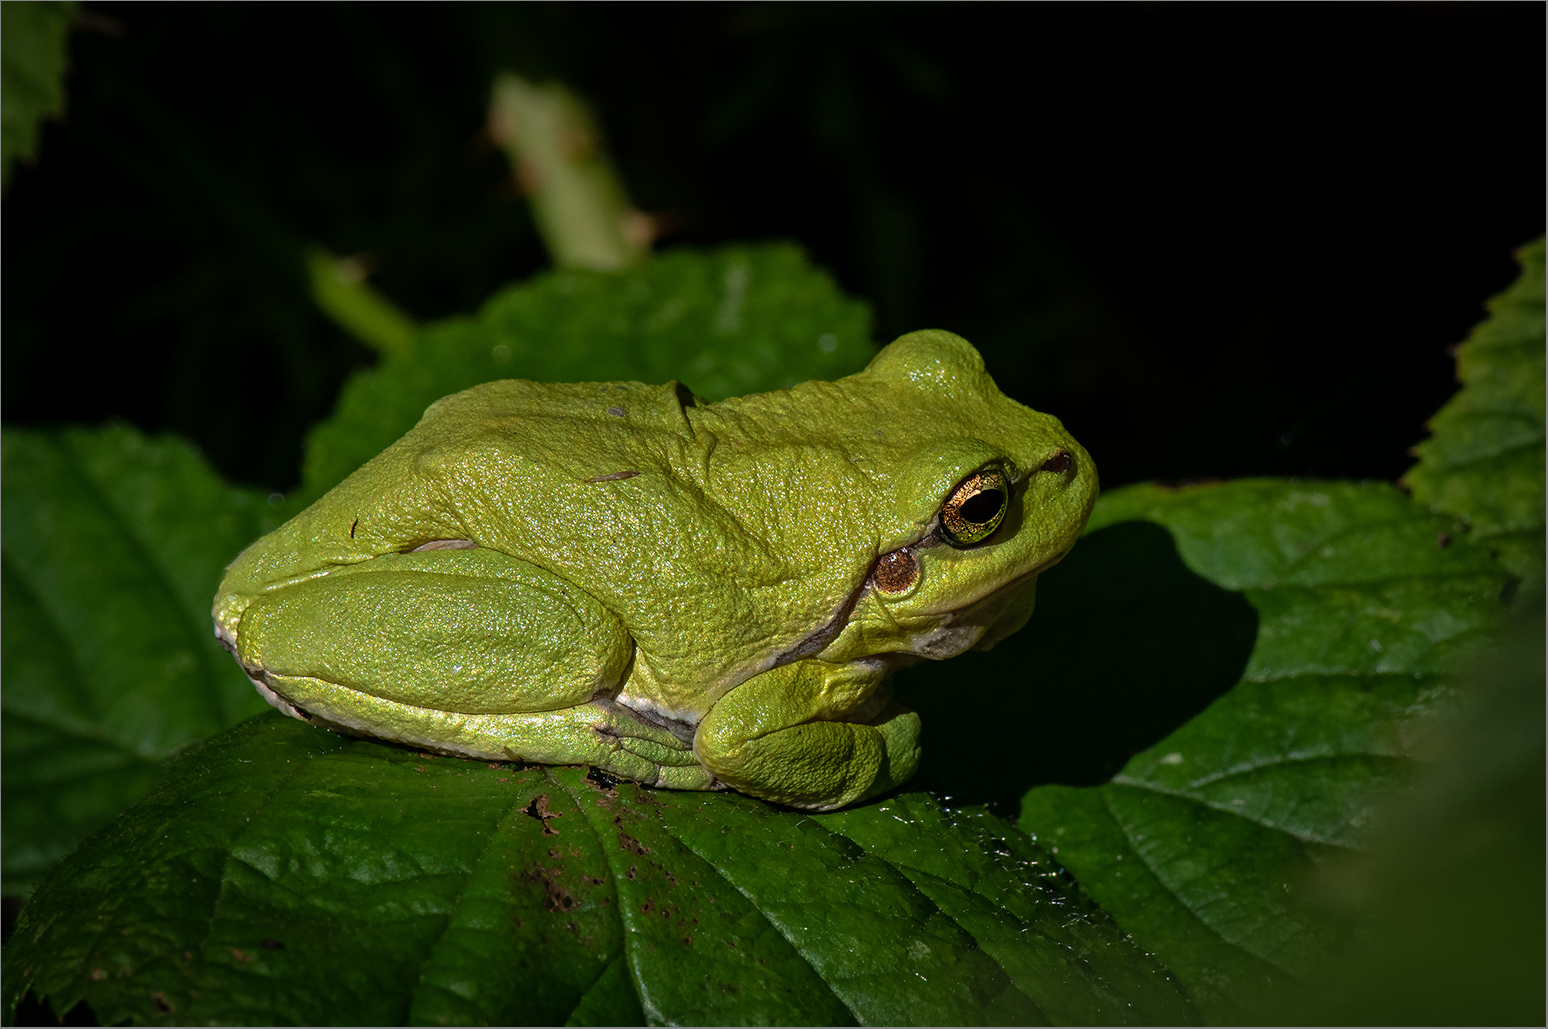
[638,494]
[563,425]
[608,485]
[512,440]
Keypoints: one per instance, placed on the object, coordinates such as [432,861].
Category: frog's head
[983,494]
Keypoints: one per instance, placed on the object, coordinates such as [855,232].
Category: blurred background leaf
[1216,241]
[1453,891]
[33,38]
[113,546]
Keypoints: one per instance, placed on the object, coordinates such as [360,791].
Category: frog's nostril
[1059,463]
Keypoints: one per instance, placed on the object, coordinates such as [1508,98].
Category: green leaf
[1246,657]
[1484,462]
[1453,889]
[284,874]
[1202,845]
[113,547]
[739,320]
[32,71]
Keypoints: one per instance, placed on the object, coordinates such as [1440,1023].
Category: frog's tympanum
[687,594]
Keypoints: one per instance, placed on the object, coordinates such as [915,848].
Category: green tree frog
[692,595]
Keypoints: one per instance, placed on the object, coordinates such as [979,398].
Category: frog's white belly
[655,711]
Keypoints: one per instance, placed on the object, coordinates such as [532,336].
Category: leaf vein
[1247,768]
[776,925]
[68,649]
[501,824]
[1129,840]
[904,870]
[625,916]
[1226,810]
[231,849]
[607,966]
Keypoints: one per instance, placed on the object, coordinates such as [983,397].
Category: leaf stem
[340,290]
[578,200]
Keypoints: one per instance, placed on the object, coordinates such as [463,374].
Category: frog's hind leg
[599,734]
[469,631]
[469,651]
[460,650]
[811,735]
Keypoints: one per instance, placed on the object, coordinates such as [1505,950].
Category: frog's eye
[975,508]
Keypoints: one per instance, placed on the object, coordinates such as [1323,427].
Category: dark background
[1217,240]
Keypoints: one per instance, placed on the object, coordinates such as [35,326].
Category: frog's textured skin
[687,594]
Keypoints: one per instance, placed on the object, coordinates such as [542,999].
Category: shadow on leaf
[1126,645]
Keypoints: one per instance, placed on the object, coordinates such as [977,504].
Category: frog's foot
[600,733]
[774,738]
[642,741]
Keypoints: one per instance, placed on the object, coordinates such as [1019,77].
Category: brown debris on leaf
[539,809]
[555,897]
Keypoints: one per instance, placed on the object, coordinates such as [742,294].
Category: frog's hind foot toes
[684,777]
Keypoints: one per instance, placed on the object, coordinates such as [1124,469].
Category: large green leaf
[32,71]
[1313,622]
[1484,462]
[113,547]
[284,874]
[739,320]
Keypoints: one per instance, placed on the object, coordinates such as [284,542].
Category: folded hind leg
[469,651]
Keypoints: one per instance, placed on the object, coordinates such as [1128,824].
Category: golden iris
[975,508]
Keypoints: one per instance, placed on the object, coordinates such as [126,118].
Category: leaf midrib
[1297,835]
[162,577]
[1130,844]
[626,916]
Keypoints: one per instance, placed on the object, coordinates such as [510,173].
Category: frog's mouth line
[818,639]
[1009,584]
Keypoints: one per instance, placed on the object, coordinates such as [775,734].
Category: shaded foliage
[1156,220]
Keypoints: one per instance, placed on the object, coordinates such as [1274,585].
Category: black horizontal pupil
[982,506]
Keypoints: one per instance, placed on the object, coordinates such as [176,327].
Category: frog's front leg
[470,651]
[810,734]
